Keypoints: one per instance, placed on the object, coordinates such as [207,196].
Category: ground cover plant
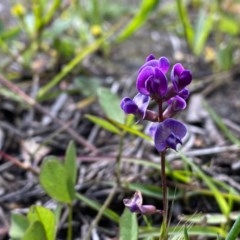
[81,157]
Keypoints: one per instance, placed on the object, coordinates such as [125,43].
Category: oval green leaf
[54,180]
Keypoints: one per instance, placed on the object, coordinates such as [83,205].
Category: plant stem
[70,211]
[101,212]
[118,160]
[163,234]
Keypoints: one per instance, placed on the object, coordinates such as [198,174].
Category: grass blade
[222,203]
[234,231]
[139,19]
[96,206]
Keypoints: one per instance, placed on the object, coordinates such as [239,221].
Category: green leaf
[209,218]
[70,162]
[153,190]
[225,57]
[19,225]
[176,231]
[131,130]
[55,181]
[186,233]
[235,230]
[110,104]
[185,21]
[87,86]
[71,65]
[139,19]
[228,25]
[128,226]
[203,29]
[47,219]
[103,123]
[35,231]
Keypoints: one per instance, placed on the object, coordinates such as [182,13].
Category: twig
[100,212]
[18,163]
[30,101]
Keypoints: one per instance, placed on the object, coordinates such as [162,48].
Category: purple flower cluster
[152,84]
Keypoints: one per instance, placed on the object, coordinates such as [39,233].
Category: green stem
[118,160]
[70,212]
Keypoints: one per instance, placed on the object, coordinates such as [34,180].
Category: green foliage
[103,123]
[210,19]
[128,226]
[186,237]
[35,231]
[235,230]
[19,225]
[58,179]
[110,104]
[70,163]
[139,19]
[222,203]
[177,232]
[55,180]
[39,224]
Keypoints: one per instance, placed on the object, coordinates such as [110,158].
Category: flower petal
[146,74]
[184,93]
[142,101]
[168,134]
[150,57]
[162,82]
[180,77]
[164,64]
[129,106]
[177,103]
[176,127]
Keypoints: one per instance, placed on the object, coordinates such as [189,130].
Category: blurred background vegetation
[72,47]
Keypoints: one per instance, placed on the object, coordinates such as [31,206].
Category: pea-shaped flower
[134,204]
[168,134]
[137,106]
[151,81]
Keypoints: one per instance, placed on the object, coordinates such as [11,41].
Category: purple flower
[168,134]
[151,81]
[137,106]
[180,77]
[175,104]
[134,204]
